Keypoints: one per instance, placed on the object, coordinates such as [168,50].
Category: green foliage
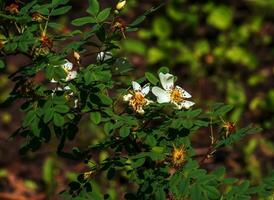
[138,147]
[220,17]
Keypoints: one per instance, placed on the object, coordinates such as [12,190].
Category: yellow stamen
[137,101]
[176,95]
[178,156]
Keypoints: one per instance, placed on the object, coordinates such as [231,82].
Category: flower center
[137,101]
[178,156]
[176,95]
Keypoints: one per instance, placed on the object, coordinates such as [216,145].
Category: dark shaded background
[221,51]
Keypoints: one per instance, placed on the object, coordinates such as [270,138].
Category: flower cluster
[168,94]
[70,75]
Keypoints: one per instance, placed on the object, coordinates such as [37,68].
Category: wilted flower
[1,44]
[88,174]
[13,8]
[46,42]
[104,56]
[37,17]
[121,25]
[120,5]
[229,128]
[178,156]
[170,93]
[3,40]
[137,98]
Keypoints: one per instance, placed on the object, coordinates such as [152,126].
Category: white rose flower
[137,98]
[170,93]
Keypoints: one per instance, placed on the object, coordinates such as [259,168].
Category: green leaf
[187,123]
[163,70]
[2,64]
[124,131]
[220,17]
[59,2]
[93,8]
[160,194]
[31,115]
[48,168]
[60,11]
[10,46]
[82,21]
[48,115]
[42,10]
[161,27]
[138,163]
[234,137]
[27,7]
[58,119]
[88,77]
[151,78]
[61,108]
[105,99]
[55,25]
[108,127]
[150,140]
[35,126]
[95,117]
[137,21]
[211,191]
[111,173]
[134,46]
[223,110]
[195,192]
[103,15]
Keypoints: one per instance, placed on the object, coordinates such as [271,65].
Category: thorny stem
[47,22]
[17,27]
[211,132]
[211,149]
[222,119]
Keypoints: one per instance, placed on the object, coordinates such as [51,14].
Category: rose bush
[148,134]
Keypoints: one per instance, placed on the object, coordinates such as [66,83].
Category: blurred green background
[221,51]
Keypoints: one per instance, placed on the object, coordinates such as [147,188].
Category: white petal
[53,81]
[162,95]
[187,104]
[59,89]
[140,110]
[127,97]
[75,103]
[167,80]
[145,89]
[179,106]
[184,93]
[104,56]
[71,75]
[68,65]
[148,102]
[136,86]
[66,88]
